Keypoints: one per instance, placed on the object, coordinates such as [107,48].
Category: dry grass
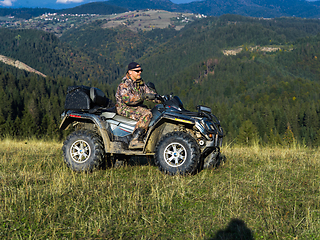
[259,193]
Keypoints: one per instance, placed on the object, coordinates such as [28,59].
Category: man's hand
[148,96]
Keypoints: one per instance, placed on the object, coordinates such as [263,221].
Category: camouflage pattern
[130,103]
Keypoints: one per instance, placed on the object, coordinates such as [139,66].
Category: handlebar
[164,98]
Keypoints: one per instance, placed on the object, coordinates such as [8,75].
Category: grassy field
[258,193]
[148,20]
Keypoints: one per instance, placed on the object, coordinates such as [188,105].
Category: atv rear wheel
[83,151]
[177,153]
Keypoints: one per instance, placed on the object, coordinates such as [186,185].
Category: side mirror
[152,86]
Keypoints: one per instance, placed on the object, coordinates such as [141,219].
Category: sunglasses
[137,71]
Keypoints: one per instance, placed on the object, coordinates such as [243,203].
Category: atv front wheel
[83,151]
[177,153]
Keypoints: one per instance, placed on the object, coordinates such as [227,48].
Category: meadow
[258,193]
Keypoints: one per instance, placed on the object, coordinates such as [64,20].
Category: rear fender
[71,117]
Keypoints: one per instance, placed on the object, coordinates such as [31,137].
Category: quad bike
[181,141]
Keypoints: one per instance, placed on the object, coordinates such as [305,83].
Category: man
[130,96]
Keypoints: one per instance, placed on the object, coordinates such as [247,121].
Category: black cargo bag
[85,98]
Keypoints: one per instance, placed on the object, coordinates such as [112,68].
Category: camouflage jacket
[129,93]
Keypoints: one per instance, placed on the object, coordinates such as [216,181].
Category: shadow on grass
[123,160]
[236,230]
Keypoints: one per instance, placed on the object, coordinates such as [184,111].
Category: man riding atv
[181,141]
[130,95]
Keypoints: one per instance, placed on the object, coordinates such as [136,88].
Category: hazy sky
[58,4]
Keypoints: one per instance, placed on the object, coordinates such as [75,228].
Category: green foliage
[31,105]
[271,89]
[248,134]
[113,49]
[288,137]
[49,55]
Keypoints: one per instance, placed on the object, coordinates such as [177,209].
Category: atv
[181,141]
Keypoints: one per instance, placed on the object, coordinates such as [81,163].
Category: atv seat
[121,119]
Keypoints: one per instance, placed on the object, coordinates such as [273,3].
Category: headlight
[203,108]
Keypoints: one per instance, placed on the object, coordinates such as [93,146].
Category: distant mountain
[25,13]
[101,8]
[253,8]
[144,4]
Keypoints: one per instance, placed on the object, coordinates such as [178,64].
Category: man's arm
[148,90]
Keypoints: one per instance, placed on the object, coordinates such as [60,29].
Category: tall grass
[258,193]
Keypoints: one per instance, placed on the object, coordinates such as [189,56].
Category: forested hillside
[276,91]
[114,48]
[258,95]
[30,105]
[270,97]
[45,53]
[204,40]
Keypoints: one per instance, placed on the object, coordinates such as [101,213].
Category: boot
[136,141]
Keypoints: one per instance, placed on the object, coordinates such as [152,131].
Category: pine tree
[248,133]
[288,137]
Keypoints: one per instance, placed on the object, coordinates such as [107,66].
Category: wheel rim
[80,151]
[175,154]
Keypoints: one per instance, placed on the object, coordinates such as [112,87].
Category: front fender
[166,123]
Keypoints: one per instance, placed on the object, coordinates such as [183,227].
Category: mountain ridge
[102,8]
[252,8]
